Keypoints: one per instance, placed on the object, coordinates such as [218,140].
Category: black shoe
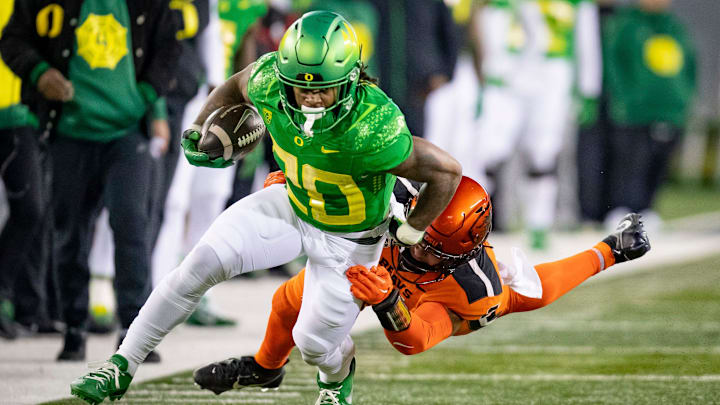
[74,347]
[237,373]
[8,328]
[629,240]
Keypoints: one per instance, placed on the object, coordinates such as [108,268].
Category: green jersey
[236,17]
[558,21]
[560,18]
[107,102]
[337,180]
[12,113]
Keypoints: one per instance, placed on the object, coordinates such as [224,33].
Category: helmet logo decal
[309,77]
[299,141]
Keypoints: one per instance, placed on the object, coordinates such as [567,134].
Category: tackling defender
[340,142]
[449,284]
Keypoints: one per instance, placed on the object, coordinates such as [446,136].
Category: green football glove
[189,142]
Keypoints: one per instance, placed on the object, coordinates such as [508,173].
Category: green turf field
[651,337]
[680,199]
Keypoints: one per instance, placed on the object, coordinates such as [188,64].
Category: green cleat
[110,379]
[339,393]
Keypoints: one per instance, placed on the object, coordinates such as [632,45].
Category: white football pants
[258,232]
[450,118]
[530,114]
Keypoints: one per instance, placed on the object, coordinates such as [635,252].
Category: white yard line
[542,377]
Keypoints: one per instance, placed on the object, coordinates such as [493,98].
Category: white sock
[174,299]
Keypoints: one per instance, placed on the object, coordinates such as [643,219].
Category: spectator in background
[91,71]
[650,77]
[21,170]
[553,47]
[417,47]
[593,146]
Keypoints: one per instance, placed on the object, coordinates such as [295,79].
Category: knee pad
[200,270]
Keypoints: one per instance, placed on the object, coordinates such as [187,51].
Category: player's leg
[275,348]
[126,198]
[265,369]
[559,277]
[499,127]
[548,121]
[75,197]
[255,233]
[329,309]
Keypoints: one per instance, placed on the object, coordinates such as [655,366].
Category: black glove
[629,241]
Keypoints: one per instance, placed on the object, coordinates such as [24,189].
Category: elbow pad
[392,312]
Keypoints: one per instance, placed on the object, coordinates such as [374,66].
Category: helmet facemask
[445,267]
[319,51]
[328,117]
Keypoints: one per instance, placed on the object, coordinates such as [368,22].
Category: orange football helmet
[455,236]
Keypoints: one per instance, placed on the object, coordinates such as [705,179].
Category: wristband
[392,312]
[407,234]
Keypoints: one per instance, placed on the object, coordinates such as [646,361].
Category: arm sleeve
[430,325]
[587,49]
[211,50]
[17,43]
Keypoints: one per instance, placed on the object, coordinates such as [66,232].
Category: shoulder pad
[406,189]
[479,278]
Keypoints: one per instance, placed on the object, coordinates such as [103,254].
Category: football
[231,132]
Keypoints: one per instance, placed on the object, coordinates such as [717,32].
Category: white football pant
[531,115]
[258,232]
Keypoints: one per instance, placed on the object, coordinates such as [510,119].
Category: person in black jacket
[92,71]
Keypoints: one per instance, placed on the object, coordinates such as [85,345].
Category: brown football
[231,132]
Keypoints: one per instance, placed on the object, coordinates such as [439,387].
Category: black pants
[640,157]
[86,176]
[21,253]
[593,165]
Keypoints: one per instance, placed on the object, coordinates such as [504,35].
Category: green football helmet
[319,50]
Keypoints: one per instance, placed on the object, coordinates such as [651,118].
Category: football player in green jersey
[340,142]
